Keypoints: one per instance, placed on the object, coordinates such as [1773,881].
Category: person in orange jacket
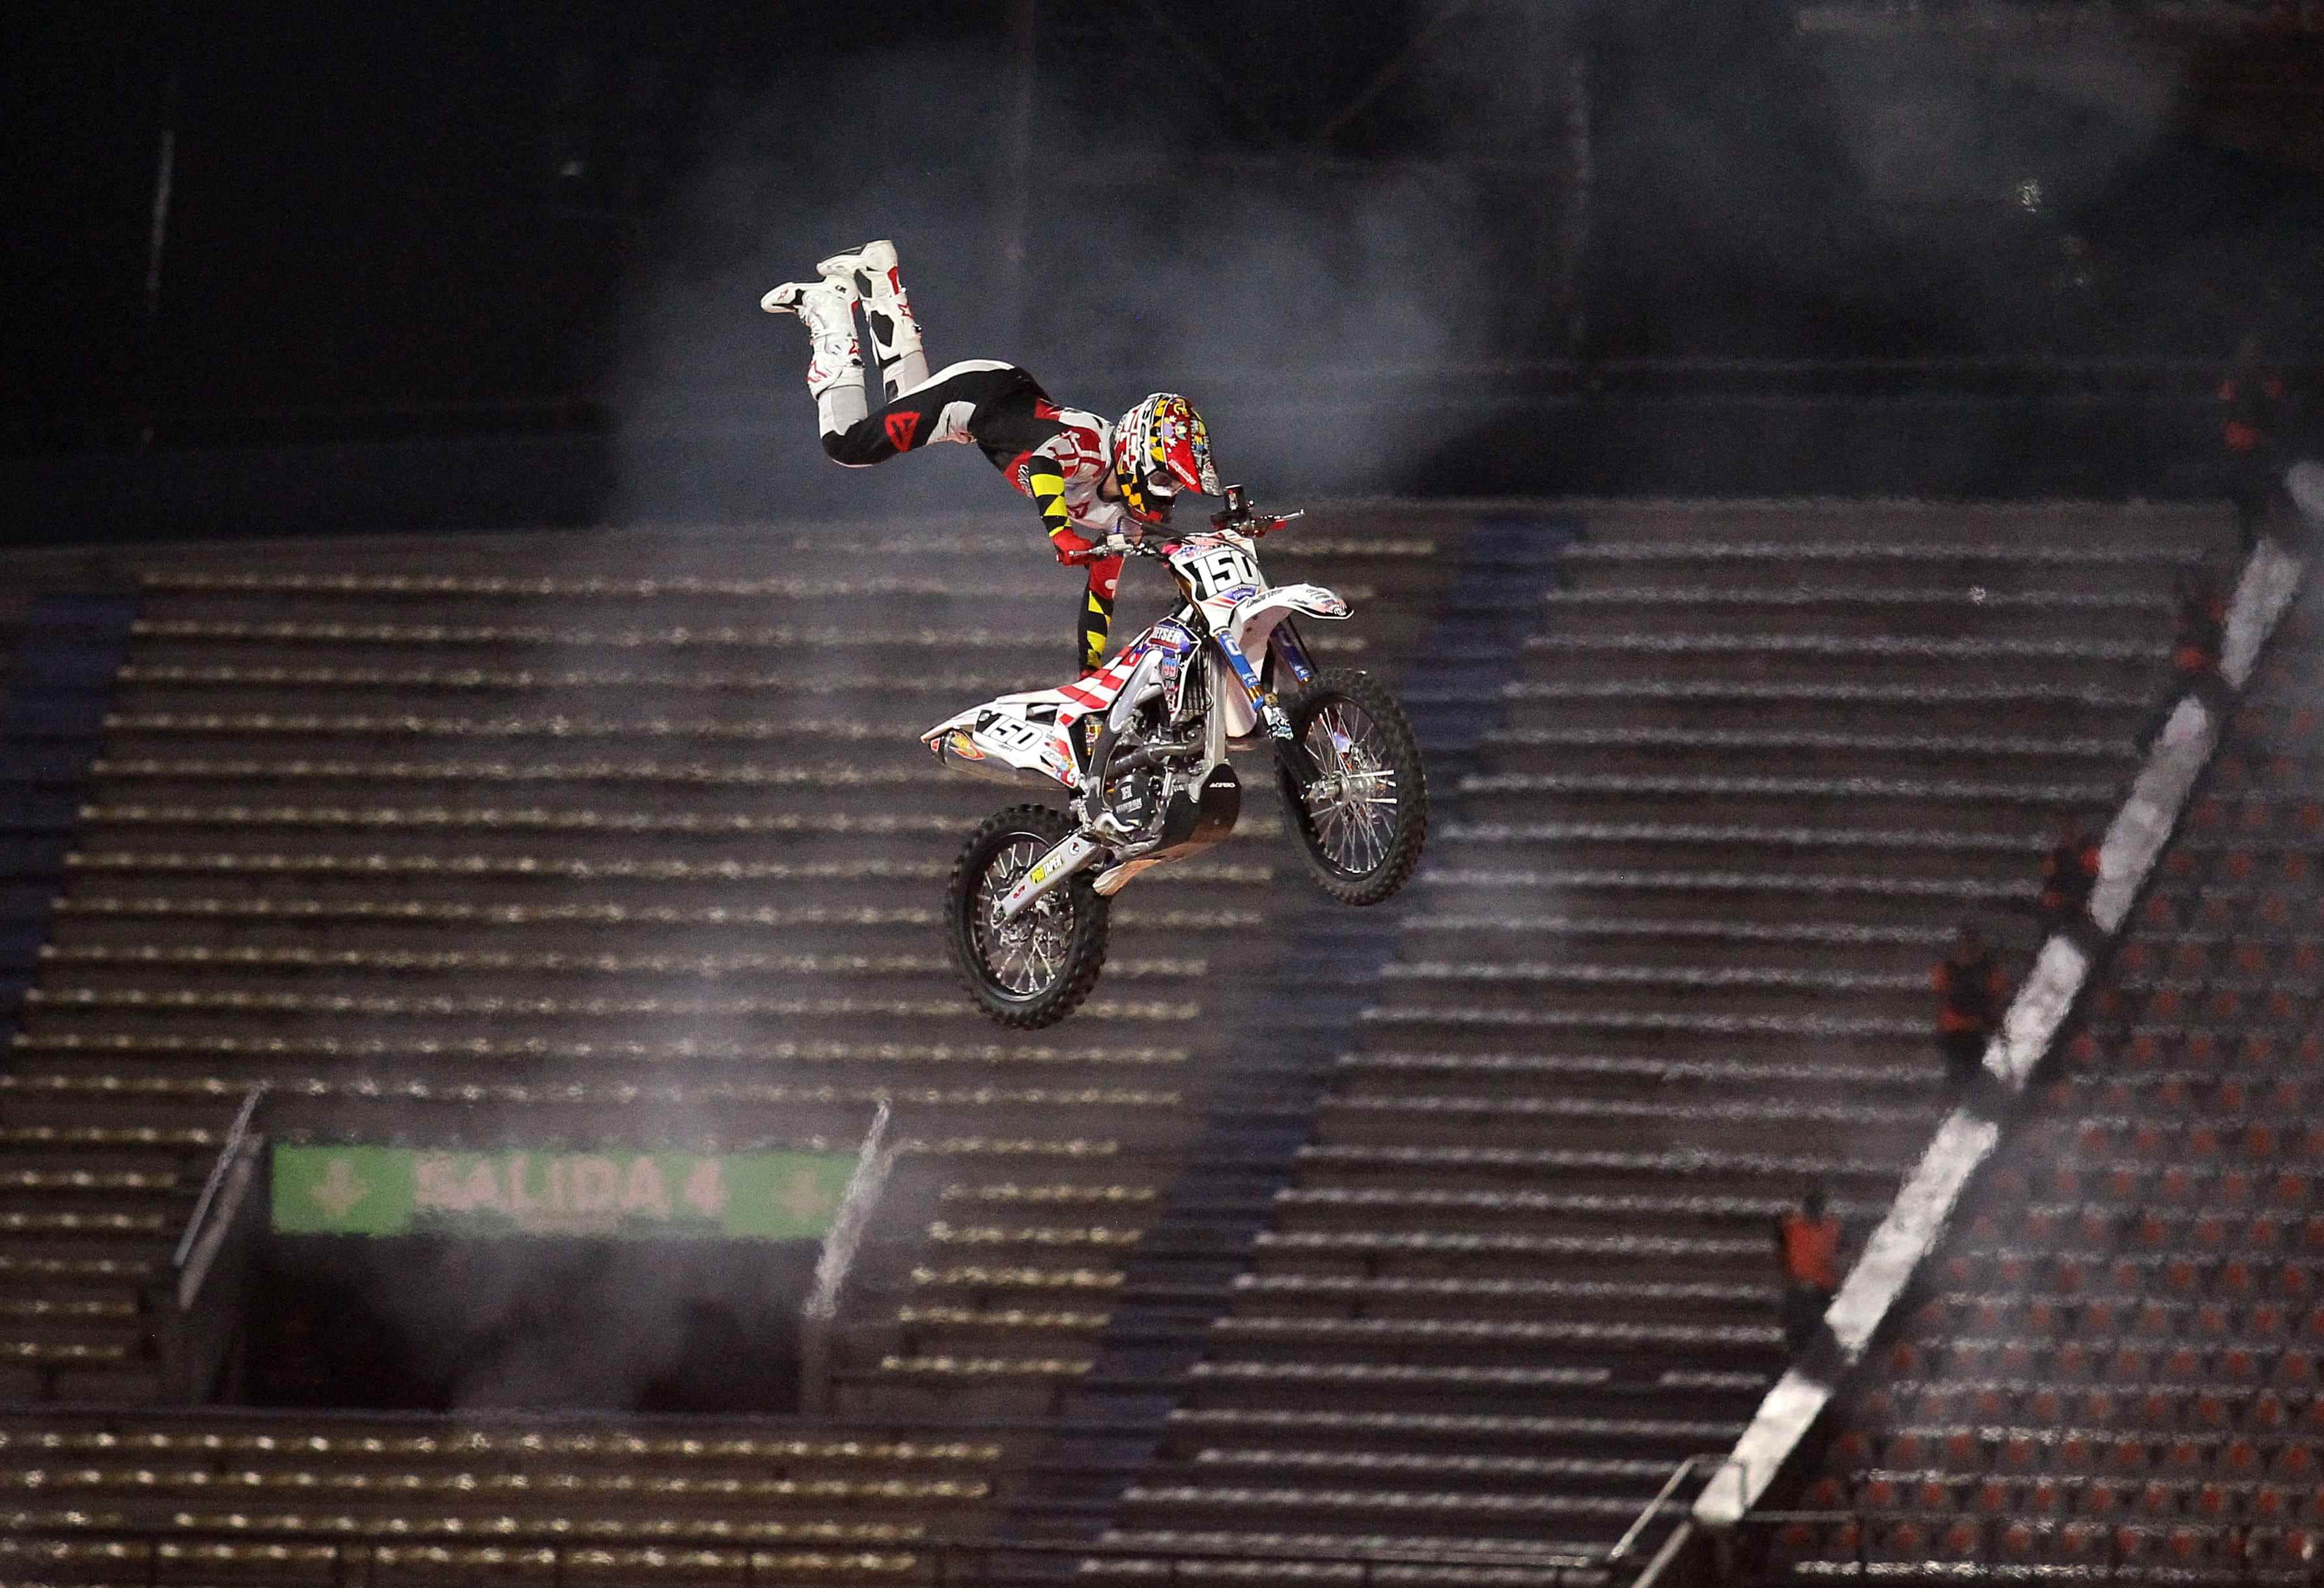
[1807,1245]
[2070,872]
[1970,993]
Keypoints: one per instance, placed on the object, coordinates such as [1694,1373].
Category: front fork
[1290,754]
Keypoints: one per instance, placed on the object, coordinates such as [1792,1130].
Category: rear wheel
[1036,970]
[1361,820]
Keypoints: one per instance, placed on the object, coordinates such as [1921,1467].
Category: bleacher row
[2115,1368]
[456,856]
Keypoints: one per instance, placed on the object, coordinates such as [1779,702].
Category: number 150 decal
[1219,568]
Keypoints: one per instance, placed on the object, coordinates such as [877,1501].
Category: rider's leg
[871,273]
[834,375]
[1095,619]
[938,409]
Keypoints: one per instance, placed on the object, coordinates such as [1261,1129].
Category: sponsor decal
[902,427]
[965,747]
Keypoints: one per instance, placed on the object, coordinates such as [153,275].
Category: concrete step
[1558,696]
[1961,612]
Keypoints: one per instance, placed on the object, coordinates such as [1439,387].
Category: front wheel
[1362,820]
[1036,970]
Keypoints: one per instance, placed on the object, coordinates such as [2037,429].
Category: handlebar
[1238,516]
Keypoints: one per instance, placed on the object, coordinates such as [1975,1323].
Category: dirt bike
[1142,745]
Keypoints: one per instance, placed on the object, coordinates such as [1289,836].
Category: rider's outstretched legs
[871,274]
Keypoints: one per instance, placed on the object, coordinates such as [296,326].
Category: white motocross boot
[871,274]
[834,375]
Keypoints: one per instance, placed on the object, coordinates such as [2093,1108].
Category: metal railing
[197,1322]
[1654,1508]
[221,1170]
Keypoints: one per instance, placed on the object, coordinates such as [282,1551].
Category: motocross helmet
[1161,448]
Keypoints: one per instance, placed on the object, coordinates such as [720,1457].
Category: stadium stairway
[1262,1112]
[1666,965]
[2113,1369]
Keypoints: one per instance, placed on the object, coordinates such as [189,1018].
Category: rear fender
[1005,740]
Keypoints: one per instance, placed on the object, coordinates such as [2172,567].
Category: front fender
[1255,619]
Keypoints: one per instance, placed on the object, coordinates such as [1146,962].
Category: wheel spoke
[1023,957]
[1353,808]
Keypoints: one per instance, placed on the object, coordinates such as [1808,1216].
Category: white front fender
[1255,620]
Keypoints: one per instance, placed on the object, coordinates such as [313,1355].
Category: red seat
[2080,1541]
[1905,1540]
[2186,1549]
[2022,1541]
[1962,1539]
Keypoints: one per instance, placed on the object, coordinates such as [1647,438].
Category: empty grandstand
[1434,1240]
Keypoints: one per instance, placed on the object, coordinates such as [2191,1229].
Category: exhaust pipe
[1065,857]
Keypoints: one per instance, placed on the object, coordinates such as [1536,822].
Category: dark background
[425,1323]
[506,258]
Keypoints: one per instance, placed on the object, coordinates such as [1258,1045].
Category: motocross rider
[1090,478]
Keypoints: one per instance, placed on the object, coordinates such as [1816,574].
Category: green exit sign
[361,1190]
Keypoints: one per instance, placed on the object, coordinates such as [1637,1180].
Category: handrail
[1662,1498]
[228,1153]
[820,1313]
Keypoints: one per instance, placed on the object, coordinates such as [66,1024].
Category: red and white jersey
[1026,430]
[1083,450]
